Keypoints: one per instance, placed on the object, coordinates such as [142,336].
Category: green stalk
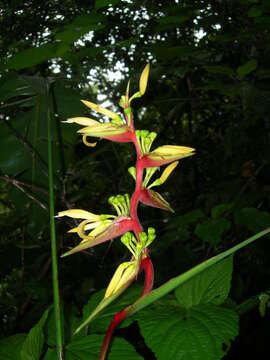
[56,297]
[179,280]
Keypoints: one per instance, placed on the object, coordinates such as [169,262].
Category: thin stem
[56,297]
[147,267]
[118,318]
[181,279]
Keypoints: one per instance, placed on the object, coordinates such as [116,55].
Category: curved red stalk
[147,266]
[118,318]
[146,263]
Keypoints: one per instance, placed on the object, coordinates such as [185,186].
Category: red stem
[118,318]
[147,267]
[146,263]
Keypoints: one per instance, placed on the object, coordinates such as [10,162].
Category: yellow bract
[79,214]
[160,202]
[166,152]
[101,110]
[82,121]
[122,277]
[144,79]
[102,130]
[164,176]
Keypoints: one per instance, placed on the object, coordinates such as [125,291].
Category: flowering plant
[96,229]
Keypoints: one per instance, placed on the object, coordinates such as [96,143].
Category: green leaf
[254,12]
[101,323]
[166,53]
[247,68]
[34,342]
[252,218]
[218,69]
[173,283]
[198,334]
[49,329]
[211,286]
[189,218]
[10,347]
[102,3]
[74,32]
[211,230]
[88,348]
[220,209]
[32,56]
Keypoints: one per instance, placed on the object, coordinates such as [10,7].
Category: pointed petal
[78,214]
[164,176]
[127,90]
[166,154]
[82,121]
[101,110]
[144,79]
[116,279]
[154,199]
[117,133]
[102,130]
[167,172]
[117,228]
[87,227]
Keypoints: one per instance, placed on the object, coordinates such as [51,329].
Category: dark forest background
[209,88]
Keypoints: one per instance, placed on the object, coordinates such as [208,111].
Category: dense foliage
[209,88]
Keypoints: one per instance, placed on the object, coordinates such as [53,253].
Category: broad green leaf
[220,209]
[173,283]
[33,344]
[197,334]
[32,56]
[252,218]
[254,12]
[102,3]
[86,19]
[247,68]
[211,230]
[88,348]
[262,20]
[14,157]
[10,347]
[189,218]
[218,69]
[171,22]
[51,354]
[74,32]
[211,286]
[166,53]
[101,323]
[49,329]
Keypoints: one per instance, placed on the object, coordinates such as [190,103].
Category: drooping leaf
[211,230]
[211,286]
[218,69]
[101,323]
[88,348]
[198,334]
[254,12]
[220,209]
[33,344]
[102,3]
[33,56]
[252,218]
[247,68]
[10,347]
